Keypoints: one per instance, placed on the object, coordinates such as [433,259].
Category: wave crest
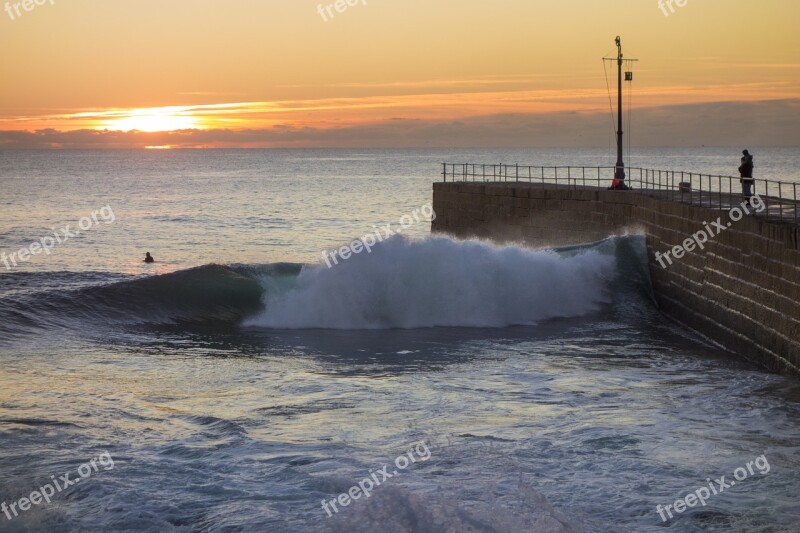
[442,282]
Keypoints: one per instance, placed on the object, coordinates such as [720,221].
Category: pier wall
[742,290]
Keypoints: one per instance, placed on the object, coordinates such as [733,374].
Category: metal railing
[718,192]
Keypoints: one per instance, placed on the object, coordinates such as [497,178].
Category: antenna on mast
[619,170]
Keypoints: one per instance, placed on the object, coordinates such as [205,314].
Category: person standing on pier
[747,181]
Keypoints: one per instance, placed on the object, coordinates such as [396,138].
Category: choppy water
[238,382]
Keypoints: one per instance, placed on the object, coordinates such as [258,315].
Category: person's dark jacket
[746,169]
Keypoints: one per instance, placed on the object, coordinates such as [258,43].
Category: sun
[152,120]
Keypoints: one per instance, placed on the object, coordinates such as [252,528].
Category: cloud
[768,123]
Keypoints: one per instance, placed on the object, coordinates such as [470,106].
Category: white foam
[439,281]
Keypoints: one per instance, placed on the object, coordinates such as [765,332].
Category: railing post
[701,190]
[683,180]
[730,191]
[672,187]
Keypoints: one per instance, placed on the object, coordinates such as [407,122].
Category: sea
[263,375]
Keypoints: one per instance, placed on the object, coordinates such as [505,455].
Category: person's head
[746,152]
[147,254]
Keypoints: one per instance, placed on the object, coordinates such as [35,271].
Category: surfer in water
[148,258]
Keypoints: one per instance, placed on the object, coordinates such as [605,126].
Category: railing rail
[780,198]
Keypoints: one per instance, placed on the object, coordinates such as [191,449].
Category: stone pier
[742,290]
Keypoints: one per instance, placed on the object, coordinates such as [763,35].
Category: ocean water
[239,384]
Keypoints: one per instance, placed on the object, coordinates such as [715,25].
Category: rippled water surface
[238,383]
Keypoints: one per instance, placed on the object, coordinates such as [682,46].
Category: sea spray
[439,281]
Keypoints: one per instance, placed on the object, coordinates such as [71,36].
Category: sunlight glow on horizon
[192,69]
[339,112]
[152,120]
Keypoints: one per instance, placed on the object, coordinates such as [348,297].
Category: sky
[394,73]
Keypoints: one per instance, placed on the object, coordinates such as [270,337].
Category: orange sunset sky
[405,73]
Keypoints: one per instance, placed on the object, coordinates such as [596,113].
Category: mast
[619,169]
[619,173]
